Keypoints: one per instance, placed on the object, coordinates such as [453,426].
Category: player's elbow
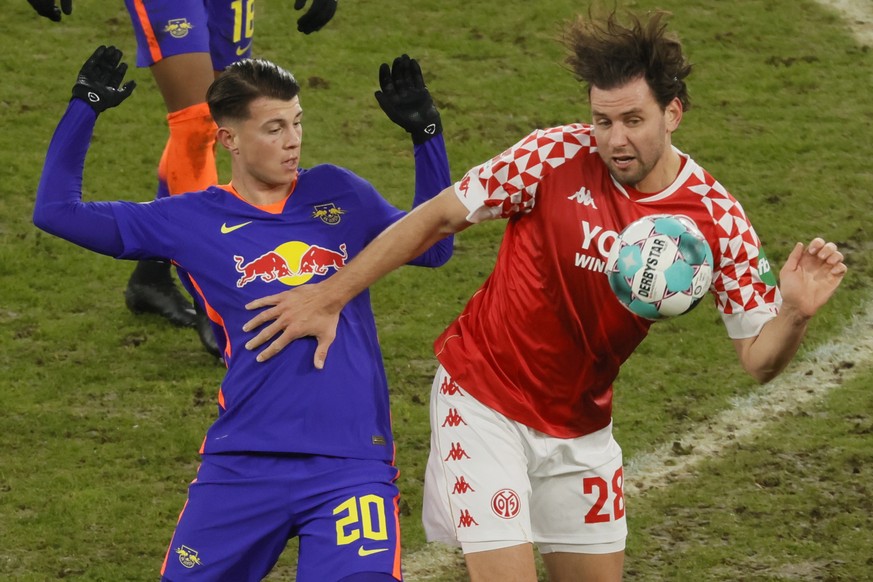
[43,220]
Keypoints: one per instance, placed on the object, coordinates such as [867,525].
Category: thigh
[234,525]
[578,495]
[476,487]
[351,523]
[165,28]
[231,30]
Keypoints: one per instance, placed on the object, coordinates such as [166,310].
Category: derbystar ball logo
[292,263]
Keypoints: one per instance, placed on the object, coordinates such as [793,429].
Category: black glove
[317,16]
[99,80]
[406,100]
[50,10]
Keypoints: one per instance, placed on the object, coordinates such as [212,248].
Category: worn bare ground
[809,380]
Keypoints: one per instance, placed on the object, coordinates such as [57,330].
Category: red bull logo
[268,267]
[318,260]
[292,263]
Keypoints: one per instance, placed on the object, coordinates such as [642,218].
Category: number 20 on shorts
[601,512]
[361,517]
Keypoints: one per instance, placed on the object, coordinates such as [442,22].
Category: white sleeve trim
[746,324]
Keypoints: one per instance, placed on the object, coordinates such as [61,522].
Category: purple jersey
[164,28]
[235,252]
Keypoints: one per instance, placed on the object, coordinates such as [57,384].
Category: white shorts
[492,482]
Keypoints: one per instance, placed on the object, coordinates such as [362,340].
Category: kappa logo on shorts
[456,453]
[466,519]
[506,504]
[449,387]
[188,557]
[461,486]
[178,27]
[453,418]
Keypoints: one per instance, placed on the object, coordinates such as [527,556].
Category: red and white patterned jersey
[543,338]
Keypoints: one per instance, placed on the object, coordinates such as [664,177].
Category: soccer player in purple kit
[186,44]
[294,451]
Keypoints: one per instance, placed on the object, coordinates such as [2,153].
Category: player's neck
[663,174]
[258,193]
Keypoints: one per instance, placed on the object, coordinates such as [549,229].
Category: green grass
[103,412]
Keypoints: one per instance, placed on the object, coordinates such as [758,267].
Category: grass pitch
[103,411]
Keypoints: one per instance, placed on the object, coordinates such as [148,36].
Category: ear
[673,114]
[227,137]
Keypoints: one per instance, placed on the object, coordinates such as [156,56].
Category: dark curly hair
[607,54]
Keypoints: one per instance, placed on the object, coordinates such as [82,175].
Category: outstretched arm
[809,278]
[406,100]
[59,209]
[313,310]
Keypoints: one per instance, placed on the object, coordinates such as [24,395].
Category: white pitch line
[808,380]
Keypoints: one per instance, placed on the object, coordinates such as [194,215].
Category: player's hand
[810,276]
[304,311]
[320,12]
[50,10]
[405,99]
[99,80]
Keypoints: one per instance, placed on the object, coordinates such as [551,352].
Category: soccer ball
[660,266]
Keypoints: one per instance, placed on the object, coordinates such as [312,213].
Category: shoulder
[712,194]
[328,172]
[561,141]
[334,180]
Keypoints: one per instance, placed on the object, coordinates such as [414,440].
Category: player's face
[269,141]
[633,135]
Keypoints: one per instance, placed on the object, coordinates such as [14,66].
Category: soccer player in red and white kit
[522,450]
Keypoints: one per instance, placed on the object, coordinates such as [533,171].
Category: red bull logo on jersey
[292,263]
[319,260]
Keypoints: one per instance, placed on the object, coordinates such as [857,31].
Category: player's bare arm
[809,278]
[313,310]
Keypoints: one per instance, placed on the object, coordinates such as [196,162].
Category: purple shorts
[164,28]
[243,509]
